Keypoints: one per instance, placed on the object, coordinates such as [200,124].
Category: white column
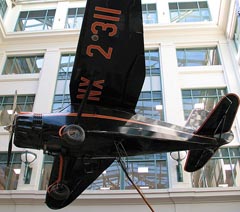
[171,91]
[173,106]
[2,61]
[60,16]
[47,82]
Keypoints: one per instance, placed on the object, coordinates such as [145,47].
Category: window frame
[77,24]
[178,10]
[3,8]
[191,97]
[26,19]
[149,12]
[25,58]
[14,160]
[24,102]
[203,179]
[210,52]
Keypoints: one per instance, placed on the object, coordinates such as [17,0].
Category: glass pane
[46,172]
[189,12]
[108,180]
[72,11]
[35,20]
[144,7]
[37,14]
[234,152]
[173,6]
[188,5]
[221,171]
[49,23]
[51,13]
[198,57]
[151,7]
[147,174]
[203,4]
[8,66]
[23,65]
[181,57]
[9,175]
[23,15]
[34,24]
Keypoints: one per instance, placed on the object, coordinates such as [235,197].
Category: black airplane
[100,125]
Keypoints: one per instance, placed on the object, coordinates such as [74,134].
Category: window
[24,103]
[221,171]
[149,13]
[74,18]
[3,8]
[152,62]
[209,97]
[150,104]
[35,20]
[23,65]
[148,171]
[62,95]
[236,37]
[9,175]
[189,11]
[46,172]
[198,57]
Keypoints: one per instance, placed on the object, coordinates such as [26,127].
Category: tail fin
[217,125]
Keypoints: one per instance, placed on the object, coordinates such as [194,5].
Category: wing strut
[121,150]
[84,101]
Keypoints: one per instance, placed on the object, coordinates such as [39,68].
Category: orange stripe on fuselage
[91,115]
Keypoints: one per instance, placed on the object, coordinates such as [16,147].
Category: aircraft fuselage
[105,129]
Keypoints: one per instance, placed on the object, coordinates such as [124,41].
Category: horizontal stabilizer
[217,125]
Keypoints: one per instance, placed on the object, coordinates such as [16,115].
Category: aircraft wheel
[73,134]
[59,192]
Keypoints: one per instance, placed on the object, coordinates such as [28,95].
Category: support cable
[121,163]
[122,152]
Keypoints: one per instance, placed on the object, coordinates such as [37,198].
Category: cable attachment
[121,153]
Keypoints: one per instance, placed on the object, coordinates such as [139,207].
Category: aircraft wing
[110,55]
[78,174]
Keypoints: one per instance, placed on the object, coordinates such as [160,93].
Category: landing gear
[73,134]
[59,191]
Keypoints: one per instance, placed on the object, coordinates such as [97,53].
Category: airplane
[100,125]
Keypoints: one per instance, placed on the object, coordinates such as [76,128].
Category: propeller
[10,128]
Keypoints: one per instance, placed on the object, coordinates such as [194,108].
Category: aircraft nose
[28,130]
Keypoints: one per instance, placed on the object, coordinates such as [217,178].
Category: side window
[74,18]
[149,13]
[3,8]
[189,11]
[24,103]
[207,97]
[35,20]
[9,175]
[198,57]
[23,65]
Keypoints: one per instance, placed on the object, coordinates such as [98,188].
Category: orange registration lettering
[94,94]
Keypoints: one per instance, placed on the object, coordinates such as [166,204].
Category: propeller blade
[9,149]
[14,107]
[10,128]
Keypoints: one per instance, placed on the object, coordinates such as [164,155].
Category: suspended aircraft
[100,125]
